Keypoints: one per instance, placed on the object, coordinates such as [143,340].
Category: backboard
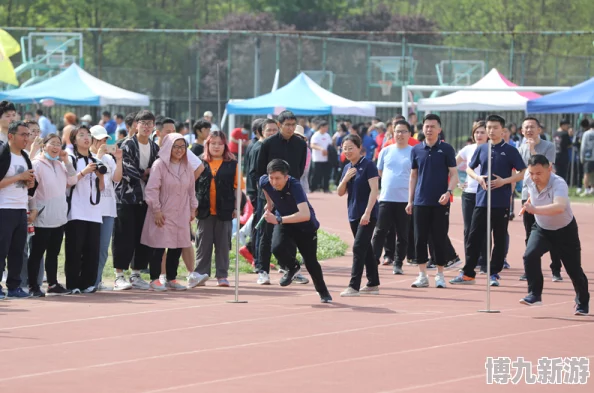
[322,78]
[55,50]
[461,72]
[397,69]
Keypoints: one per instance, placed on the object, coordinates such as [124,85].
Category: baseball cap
[208,114]
[87,118]
[99,132]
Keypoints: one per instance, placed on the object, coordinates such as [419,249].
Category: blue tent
[578,99]
[75,87]
[303,97]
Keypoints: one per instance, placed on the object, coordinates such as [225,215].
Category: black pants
[468,205]
[46,241]
[477,236]
[392,222]
[286,240]
[431,221]
[13,236]
[529,222]
[565,242]
[82,253]
[171,263]
[562,166]
[363,255]
[264,244]
[321,176]
[125,244]
[411,254]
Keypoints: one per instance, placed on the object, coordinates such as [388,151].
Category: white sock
[136,272]
[422,274]
[119,274]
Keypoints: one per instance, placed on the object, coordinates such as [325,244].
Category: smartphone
[111,144]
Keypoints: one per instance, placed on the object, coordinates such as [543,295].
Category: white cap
[99,132]
[208,114]
[87,118]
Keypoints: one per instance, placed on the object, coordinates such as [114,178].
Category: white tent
[477,100]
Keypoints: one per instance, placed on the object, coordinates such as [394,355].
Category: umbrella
[8,47]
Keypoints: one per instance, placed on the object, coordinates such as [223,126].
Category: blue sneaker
[494,280]
[506,265]
[2,294]
[17,293]
[531,300]
[582,309]
[462,279]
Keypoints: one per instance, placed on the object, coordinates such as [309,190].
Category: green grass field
[329,246]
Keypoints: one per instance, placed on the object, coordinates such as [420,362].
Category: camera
[102,169]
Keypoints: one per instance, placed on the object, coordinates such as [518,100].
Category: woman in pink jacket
[172,204]
[54,173]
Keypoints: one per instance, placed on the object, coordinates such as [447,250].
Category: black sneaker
[287,278]
[388,261]
[2,294]
[411,262]
[397,269]
[506,265]
[453,263]
[431,265]
[325,297]
[36,292]
[58,289]
[531,300]
[582,309]
[523,277]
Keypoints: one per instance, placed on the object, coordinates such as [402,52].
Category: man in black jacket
[17,182]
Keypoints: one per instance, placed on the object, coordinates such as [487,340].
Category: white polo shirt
[555,188]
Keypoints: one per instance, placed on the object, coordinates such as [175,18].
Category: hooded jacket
[171,193]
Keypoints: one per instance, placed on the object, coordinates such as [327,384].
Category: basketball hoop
[386,87]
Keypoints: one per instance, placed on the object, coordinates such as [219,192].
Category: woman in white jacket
[54,173]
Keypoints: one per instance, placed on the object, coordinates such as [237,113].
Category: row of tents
[76,87]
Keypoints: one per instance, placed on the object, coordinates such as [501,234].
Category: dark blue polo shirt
[504,159]
[358,189]
[433,167]
[286,201]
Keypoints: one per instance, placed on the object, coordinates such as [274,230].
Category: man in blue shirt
[295,225]
[394,168]
[505,159]
[433,162]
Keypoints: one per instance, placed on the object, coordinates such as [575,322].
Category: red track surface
[283,340]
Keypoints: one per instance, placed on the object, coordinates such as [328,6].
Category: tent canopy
[303,97]
[76,87]
[476,100]
[578,99]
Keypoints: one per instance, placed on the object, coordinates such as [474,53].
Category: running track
[284,340]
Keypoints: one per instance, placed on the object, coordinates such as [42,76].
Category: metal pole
[219,94]
[190,99]
[488,310]
[257,67]
[237,207]
[405,102]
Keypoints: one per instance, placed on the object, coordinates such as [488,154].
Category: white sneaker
[421,282]
[263,279]
[163,279]
[197,280]
[349,292]
[102,287]
[138,283]
[440,281]
[369,290]
[121,284]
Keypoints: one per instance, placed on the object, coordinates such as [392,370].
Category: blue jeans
[25,269]
[104,240]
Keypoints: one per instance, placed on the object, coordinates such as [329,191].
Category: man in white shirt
[16,178]
[555,229]
[320,141]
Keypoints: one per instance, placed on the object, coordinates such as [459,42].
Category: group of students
[144,196]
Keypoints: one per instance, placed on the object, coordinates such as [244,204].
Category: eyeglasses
[179,147]
[54,144]
[24,135]
[145,123]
